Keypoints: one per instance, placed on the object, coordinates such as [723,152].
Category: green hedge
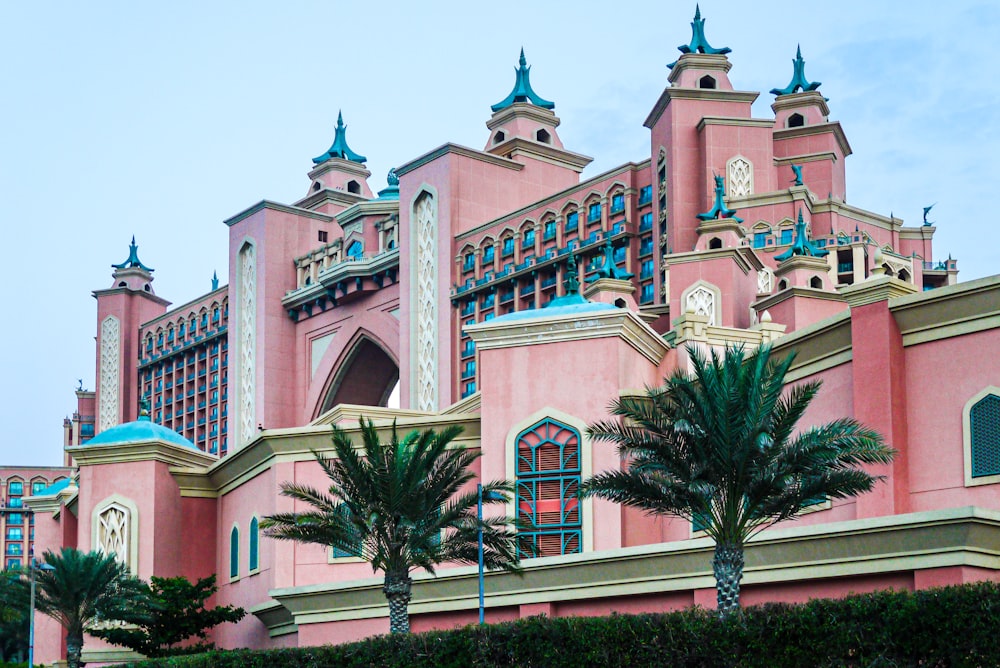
[950,627]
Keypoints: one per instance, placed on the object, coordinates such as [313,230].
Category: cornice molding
[816,129]
[153,450]
[744,257]
[275,206]
[544,152]
[455,149]
[800,100]
[736,122]
[709,94]
[522,110]
[876,289]
[953,310]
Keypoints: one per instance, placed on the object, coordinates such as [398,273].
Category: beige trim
[132,509]
[744,257]
[736,122]
[522,110]
[517,146]
[967,438]
[471,404]
[953,310]
[624,324]
[146,451]
[875,289]
[586,466]
[455,149]
[276,206]
[711,62]
[275,617]
[114,656]
[806,157]
[770,301]
[954,537]
[194,483]
[710,94]
[800,101]
[823,345]
[817,129]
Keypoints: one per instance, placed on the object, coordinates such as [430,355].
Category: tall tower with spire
[121,309]
[523,128]
[339,178]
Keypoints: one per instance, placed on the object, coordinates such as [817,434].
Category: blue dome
[580,309]
[139,431]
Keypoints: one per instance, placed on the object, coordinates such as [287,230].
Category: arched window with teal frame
[984,424]
[254,545]
[548,477]
[234,553]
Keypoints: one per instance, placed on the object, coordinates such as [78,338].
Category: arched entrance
[366,377]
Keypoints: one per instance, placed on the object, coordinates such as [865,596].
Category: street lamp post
[490,496]
[34,566]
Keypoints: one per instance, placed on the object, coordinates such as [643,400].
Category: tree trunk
[397,590]
[727,564]
[74,645]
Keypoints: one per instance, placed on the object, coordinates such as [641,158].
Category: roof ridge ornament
[699,44]
[608,268]
[572,284]
[927,210]
[798,77]
[215,281]
[339,148]
[719,208]
[802,245]
[133,261]
[523,91]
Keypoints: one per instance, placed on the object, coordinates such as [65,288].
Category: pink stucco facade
[440,281]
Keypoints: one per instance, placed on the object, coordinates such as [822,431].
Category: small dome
[139,431]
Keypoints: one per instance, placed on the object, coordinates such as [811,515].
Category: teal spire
[607,268]
[719,209]
[572,284]
[698,42]
[799,80]
[802,244]
[133,259]
[215,281]
[339,148]
[392,190]
[522,89]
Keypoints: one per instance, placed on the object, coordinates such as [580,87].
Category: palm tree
[719,447]
[83,588]
[398,506]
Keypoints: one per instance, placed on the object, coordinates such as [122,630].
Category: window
[550,230]
[617,203]
[543,136]
[488,254]
[786,236]
[816,282]
[529,239]
[13,564]
[470,370]
[646,246]
[572,221]
[14,502]
[254,545]
[38,486]
[645,195]
[470,389]
[353,187]
[619,255]
[984,436]
[323,236]
[15,518]
[352,550]
[796,121]
[706,82]
[355,249]
[594,212]
[234,553]
[548,476]
[14,533]
[646,295]
[714,243]
[508,246]
[759,239]
[469,262]
[647,269]
[15,488]
[646,222]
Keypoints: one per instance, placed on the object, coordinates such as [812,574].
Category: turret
[340,178]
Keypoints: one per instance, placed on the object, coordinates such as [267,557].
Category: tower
[121,309]
[339,178]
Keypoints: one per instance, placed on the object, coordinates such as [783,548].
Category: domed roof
[139,431]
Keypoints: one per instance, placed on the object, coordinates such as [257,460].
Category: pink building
[732,230]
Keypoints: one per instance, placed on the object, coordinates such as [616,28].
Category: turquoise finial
[392,190]
[719,209]
[799,80]
[215,281]
[802,244]
[572,284]
[927,210]
[607,268]
[339,148]
[144,408]
[797,170]
[522,89]
[133,259]
[698,42]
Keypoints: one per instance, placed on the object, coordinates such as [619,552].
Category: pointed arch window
[234,553]
[984,436]
[548,477]
[254,550]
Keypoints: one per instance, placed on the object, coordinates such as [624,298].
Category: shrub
[955,627]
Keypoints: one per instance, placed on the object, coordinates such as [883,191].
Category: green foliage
[13,615]
[720,447]
[953,627]
[400,506]
[174,611]
[83,588]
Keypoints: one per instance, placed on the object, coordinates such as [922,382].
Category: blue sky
[163,119]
